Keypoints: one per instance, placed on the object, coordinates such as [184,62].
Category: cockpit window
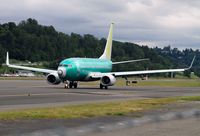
[65,65]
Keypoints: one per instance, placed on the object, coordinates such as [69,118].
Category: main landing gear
[71,84]
[102,86]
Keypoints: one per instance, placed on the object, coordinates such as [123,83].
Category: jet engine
[108,80]
[53,79]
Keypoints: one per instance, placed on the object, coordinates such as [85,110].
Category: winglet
[191,64]
[7,59]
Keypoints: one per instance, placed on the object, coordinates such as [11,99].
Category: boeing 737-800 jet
[72,70]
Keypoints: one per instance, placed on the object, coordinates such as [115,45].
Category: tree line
[31,41]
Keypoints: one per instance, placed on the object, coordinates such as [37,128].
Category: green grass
[122,108]
[171,83]
[191,98]
[161,82]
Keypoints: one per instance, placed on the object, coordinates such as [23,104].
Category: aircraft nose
[61,72]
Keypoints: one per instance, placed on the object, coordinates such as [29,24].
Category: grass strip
[163,82]
[190,98]
[93,110]
[171,83]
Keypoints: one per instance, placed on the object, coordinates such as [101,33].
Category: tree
[31,41]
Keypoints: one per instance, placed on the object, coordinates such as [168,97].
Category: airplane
[73,70]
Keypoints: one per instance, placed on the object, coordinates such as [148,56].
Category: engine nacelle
[108,80]
[53,79]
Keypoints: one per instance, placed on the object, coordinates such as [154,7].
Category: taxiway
[16,94]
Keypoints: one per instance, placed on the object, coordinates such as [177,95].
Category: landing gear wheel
[128,83]
[66,85]
[71,84]
[75,85]
[101,86]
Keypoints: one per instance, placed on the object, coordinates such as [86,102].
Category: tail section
[108,49]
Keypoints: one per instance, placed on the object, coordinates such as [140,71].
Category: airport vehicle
[72,70]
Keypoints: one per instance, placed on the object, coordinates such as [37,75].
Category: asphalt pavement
[16,94]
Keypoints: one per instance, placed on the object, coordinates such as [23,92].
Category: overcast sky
[148,22]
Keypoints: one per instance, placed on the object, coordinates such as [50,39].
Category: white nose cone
[61,72]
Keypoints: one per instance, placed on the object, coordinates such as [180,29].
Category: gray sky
[150,22]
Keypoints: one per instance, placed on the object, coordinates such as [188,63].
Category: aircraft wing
[97,75]
[129,73]
[28,68]
[128,61]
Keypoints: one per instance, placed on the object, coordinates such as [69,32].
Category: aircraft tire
[128,83]
[70,84]
[75,85]
[101,86]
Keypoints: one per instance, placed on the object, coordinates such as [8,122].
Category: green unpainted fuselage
[78,69]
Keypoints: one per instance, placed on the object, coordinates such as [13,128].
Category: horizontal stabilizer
[128,61]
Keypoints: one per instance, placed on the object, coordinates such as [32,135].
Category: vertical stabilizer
[108,49]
